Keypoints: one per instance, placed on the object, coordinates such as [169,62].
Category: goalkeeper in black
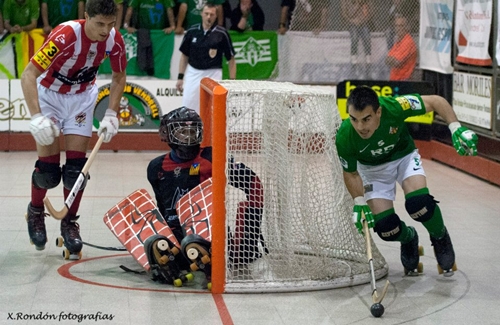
[376,151]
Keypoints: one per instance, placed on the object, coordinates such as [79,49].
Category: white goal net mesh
[285,133]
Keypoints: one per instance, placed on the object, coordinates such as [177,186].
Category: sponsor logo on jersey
[61,39]
[403,101]
[177,172]
[368,188]
[91,55]
[212,53]
[195,169]
[414,103]
[393,130]
[343,162]
[252,51]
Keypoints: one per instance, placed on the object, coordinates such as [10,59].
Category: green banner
[163,47]
[256,54]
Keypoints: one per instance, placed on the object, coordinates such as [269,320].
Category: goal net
[285,134]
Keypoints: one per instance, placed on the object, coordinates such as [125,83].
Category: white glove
[108,125]
[43,129]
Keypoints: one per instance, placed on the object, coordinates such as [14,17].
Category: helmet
[182,129]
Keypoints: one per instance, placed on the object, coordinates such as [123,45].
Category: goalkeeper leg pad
[421,207]
[71,171]
[389,227]
[46,175]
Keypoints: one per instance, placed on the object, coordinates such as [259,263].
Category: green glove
[361,207]
[464,140]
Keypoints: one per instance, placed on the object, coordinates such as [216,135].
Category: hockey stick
[106,248]
[375,297]
[59,215]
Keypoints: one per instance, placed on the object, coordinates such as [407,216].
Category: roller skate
[70,238]
[445,255]
[166,264]
[36,226]
[198,251]
[410,256]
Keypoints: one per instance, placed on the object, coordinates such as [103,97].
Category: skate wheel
[175,250]
[189,277]
[75,256]
[162,245]
[447,273]
[420,267]
[177,283]
[192,253]
[205,259]
[163,260]
[420,250]
[59,241]
[66,254]
[209,286]
[194,267]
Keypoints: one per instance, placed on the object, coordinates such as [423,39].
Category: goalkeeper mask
[182,129]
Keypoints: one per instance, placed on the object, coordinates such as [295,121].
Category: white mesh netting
[285,133]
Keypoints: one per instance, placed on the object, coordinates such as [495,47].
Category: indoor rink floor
[42,285]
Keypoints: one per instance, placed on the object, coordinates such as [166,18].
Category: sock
[76,203]
[38,194]
[435,225]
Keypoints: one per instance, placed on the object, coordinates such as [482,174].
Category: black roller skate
[36,226]
[70,237]
[198,250]
[410,256]
[166,264]
[445,255]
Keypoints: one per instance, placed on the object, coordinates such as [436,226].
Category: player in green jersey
[376,151]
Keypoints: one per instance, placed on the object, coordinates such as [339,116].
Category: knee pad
[421,207]
[46,175]
[389,227]
[71,171]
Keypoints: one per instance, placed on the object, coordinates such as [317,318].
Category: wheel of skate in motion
[59,241]
[209,286]
[189,277]
[162,245]
[447,273]
[420,267]
[67,255]
[177,283]
[205,259]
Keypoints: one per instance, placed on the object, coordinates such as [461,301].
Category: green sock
[406,233]
[435,225]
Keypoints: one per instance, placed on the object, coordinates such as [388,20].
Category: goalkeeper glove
[361,207]
[464,140]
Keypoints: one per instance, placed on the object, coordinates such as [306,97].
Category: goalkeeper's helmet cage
[182,129]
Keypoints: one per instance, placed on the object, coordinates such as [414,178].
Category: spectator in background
[311,15]
[119,14]
[248,15]
[402,57]
[202,50]
[151,14]
[357,14]
[407,8]
[20,15]
[2,27]
[287,7]
[190,13]
[55,12]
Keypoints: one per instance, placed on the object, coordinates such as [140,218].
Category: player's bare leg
[70,232]
[445,255]
[35,218]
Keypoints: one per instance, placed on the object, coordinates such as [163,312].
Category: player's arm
[29,87]
[118,81]
[181,15]
[464,140]
[232,68]
[183,62]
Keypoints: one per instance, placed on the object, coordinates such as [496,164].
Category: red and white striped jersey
[69,60]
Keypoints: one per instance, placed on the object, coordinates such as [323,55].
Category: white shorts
[72,113]
[192,79]
[380,181]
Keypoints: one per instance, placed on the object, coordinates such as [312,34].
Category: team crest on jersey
[177,172]
[80,119]
[212,53]
[91,55]
[393,130]
[195,169]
